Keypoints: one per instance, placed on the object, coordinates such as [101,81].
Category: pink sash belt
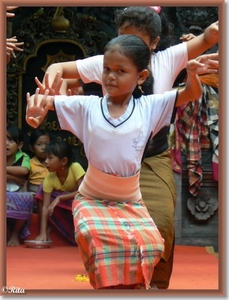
[97,184]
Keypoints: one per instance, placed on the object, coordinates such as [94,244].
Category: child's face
[53,163]
[120,76]
[39,146]
[11,146]
[130,29]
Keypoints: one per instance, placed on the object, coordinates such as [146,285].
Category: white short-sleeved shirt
[166,65]
[115,146]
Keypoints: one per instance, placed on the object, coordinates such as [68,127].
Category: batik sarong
[19,206]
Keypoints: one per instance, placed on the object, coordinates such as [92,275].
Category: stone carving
[203,206]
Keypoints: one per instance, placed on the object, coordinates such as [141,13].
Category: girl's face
[130,29]
[53,163]
[38,147]
[11,146]
[126,28]
[120,76]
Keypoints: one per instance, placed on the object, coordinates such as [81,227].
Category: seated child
[19,203]
[55,196]
[39,138]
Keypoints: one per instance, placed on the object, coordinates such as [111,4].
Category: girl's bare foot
[13,241]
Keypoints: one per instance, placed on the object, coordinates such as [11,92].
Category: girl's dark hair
[36,134]
[60,149]
[135,49]
[16,133]
[147,20]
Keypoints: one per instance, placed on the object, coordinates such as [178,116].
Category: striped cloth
[118,241]
[19,206]
[61,217]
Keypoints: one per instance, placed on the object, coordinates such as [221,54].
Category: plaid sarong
[118,241]
[195,129]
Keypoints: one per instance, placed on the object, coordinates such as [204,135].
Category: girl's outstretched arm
[38,107]
[201,43]
[66,70]
[59,86]
[203,64]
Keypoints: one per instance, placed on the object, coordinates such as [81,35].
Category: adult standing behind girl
[118,240]
[19,203]
[55,195]
[156,177]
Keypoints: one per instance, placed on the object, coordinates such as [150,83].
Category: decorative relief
[203,206]
[33,26]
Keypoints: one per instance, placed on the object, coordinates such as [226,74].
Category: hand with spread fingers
[12,43]
[54,88]
[38,107]
[204,64]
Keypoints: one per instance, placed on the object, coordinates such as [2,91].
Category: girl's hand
[12,45]
[204,64]
[187,37]
[9,15]
[52,206]
[20,181]
[11,7]
[37,107]
[54,89]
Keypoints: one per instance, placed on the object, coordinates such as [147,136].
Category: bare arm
[201,43]
[44,218]
[64,197]
[203,64]
[57,72]
[17,171]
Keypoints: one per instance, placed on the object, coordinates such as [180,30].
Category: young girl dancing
[118,241]
[156,175]
[58,190]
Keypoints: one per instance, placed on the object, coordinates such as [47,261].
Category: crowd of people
[120,212]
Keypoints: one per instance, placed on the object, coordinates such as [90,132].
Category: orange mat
[56,268]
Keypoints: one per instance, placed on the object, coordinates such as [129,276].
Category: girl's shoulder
[21,158]
[75,165]
[178,49]
[155,99]
[77,169]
